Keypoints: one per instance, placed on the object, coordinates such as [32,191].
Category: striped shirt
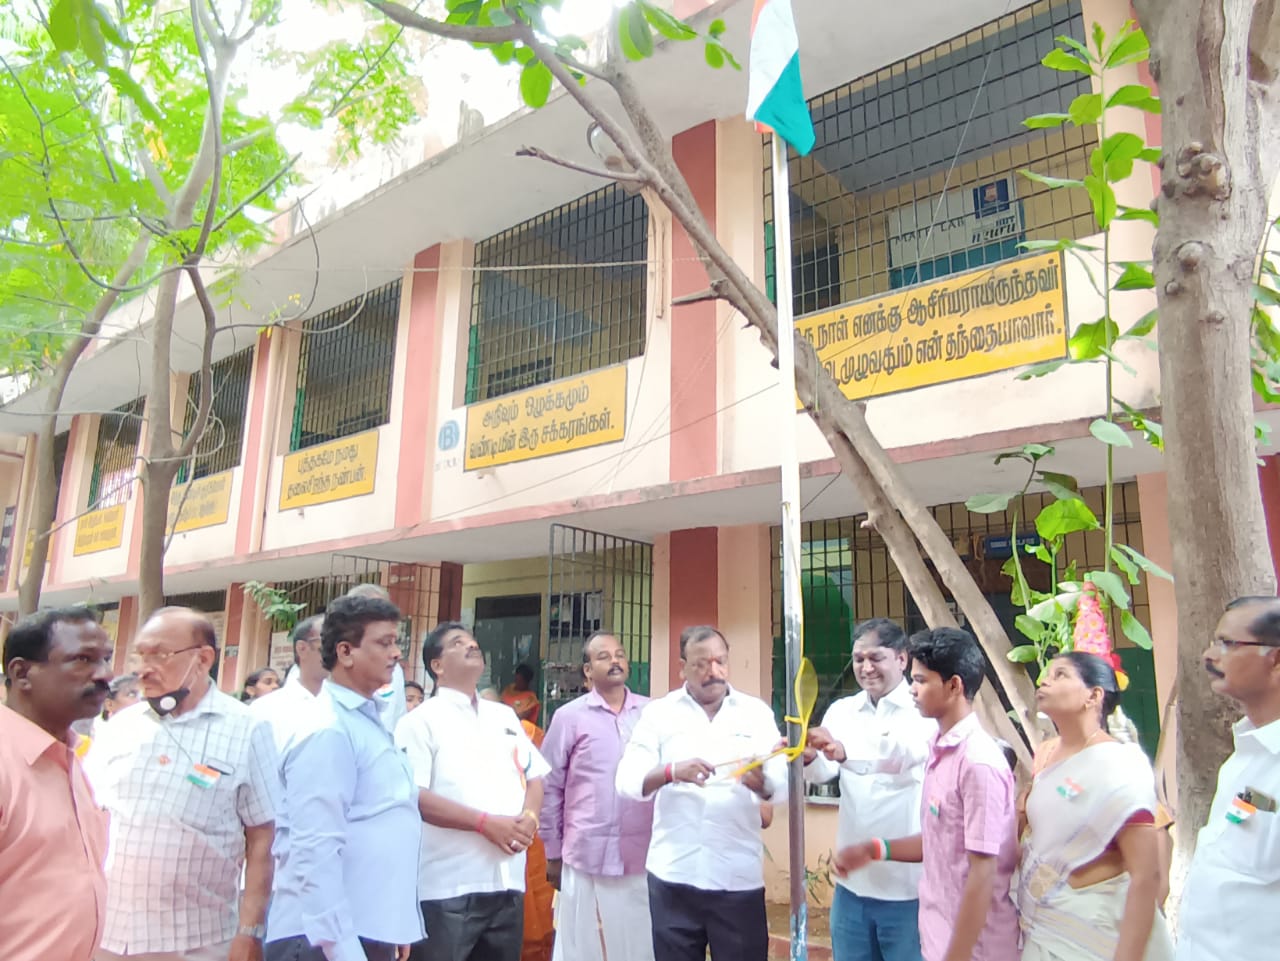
[180,792]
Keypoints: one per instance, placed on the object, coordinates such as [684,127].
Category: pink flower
[1090,634]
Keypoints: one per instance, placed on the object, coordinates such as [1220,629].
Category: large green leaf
[1135,95]
[1088,341]
[1135,631]
[1086,109]
[634,33]
[1059,59]
[1024,654]
[1119,151]
[1130,48]
[1042,368]
[1065,517]
[1103,199]
[1045,121]
[1145,324]
[989,503]
[1135,276]
[1112,585]
[1148,565]
[535,83]
[64,24]
[1061,486]
[1050,181]
[669,26]
[1110,433]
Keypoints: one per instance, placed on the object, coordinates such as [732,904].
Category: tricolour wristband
[881,851]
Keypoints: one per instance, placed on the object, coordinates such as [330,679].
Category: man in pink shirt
[53,836]
[597,840]
[968,842]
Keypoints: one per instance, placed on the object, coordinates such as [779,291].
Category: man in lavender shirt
[597,840]
[968,842]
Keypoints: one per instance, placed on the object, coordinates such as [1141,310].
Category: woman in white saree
[1088,881]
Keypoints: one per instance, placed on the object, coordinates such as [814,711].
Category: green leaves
[1111,585]
[634,33]
[667,25]
[1066,62]
[1085,109]
[989,503]
[535,83]
[1088,341]
[1110,433]
[1134,276]
[1135,631]
[1025,653]
[1045,121]
[1134,95]
[1065,517]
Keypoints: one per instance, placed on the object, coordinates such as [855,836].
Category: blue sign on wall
[449,435]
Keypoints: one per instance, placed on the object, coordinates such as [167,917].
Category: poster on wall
[566,415]
[995,318]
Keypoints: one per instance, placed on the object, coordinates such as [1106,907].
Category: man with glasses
[53,836]
[189,778]
[1228,907]
[877,743]
[284,707]
[596,840]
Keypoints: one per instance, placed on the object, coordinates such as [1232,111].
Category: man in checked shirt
[189,778]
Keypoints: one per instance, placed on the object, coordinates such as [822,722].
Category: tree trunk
[45,508]
[1213,211]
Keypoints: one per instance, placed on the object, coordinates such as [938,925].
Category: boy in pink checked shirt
[968,842]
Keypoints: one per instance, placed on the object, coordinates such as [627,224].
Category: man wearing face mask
[877,743]
[189,778]
[699,750]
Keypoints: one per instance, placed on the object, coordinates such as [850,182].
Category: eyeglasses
[1224,646]
[161,658]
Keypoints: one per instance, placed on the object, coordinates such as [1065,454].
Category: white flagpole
[792,609]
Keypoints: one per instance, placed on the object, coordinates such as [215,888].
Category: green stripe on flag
[784,109]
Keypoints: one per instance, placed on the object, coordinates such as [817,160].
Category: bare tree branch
[450,31]
[605,174]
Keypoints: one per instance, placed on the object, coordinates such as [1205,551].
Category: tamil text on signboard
[570,414]
[1003,316]
[205,502]
[100,530]
[330,472]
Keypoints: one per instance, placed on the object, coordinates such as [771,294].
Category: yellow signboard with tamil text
[1003,316]
[205,502]
[330,472]
[566,415]
[100,530]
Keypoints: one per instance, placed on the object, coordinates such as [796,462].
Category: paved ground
[780,933]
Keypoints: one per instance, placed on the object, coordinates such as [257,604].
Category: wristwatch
[256,931]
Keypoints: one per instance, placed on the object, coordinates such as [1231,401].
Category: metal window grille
[115,455]
[595,582]
[220,447]
[345,367]
[210,602]
[915,171]
[6,540]
[847,576]
[60,443]
[560,294]
[414,588]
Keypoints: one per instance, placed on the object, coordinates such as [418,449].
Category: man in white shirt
[481,790]
[284,707]
[1230,899]
[348,854]
[698,748]
[190,780]
[877,743]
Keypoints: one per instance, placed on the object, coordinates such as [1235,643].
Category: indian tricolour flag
[775,96]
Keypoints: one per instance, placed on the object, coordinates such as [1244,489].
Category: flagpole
[792,603]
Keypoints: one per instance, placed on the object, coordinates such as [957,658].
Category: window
[560,294]
[220,447]
[344,369]
[115,456]
[915,171]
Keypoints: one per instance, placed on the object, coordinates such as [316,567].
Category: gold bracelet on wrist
[536,822]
